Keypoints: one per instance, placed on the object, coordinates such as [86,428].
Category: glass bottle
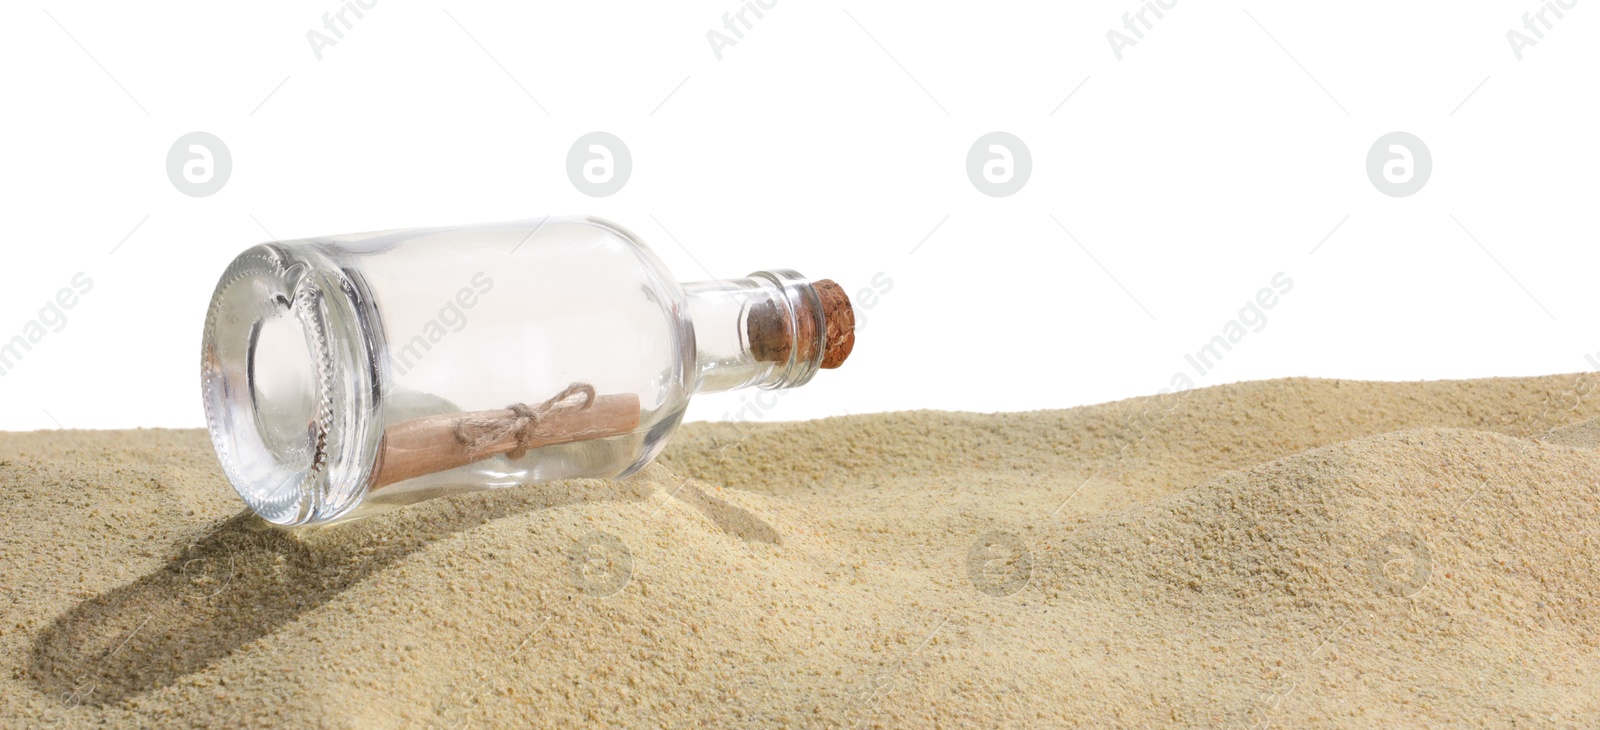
[347,374]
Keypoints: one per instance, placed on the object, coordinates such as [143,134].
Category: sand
[1285,553]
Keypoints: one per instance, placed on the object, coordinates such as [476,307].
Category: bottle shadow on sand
[244,579]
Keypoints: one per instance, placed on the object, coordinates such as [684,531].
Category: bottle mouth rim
[287,391]
[804,323]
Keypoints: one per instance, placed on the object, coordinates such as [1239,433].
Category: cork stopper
[770,340]
[841,323]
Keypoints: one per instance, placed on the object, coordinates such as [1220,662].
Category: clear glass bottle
[347,374]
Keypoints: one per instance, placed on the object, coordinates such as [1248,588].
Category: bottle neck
[765,330]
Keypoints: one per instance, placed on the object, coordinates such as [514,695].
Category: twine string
[479,433]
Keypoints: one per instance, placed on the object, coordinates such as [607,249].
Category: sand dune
[1294,553]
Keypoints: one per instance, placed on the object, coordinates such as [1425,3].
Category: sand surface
[1286,553]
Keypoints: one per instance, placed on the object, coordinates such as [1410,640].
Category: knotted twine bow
[479,433]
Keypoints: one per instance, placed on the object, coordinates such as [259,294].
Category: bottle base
[288,387]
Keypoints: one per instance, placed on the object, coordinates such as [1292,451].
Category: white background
[832,139]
